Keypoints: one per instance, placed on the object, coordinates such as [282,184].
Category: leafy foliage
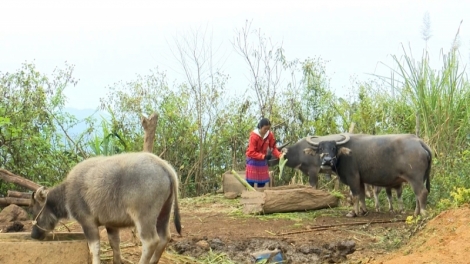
[203,132]
[33,125]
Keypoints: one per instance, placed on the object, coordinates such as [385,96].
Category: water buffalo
[133,189]
[309,165]
[385,160]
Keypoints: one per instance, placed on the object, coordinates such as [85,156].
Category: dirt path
[213,222]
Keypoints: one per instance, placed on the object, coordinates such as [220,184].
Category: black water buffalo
[384,160]
[133,189]
[296,158]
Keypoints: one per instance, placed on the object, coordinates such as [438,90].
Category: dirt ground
[214,225]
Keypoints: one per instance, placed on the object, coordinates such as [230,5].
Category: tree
[266,63]
[205,82]
[34,139]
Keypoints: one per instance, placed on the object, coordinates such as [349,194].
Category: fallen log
[17,194]
[282,200]
[18,201]
[13,178]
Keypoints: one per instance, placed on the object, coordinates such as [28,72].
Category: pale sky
[110,41]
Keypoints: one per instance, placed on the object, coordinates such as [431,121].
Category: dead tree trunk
[286,199]
[150,126]
[13,178]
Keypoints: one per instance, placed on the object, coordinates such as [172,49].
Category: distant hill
[81,114]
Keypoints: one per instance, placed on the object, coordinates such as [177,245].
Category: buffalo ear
[40,194]
[310,151]
[344,151]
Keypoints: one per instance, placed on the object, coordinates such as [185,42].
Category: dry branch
[13,178]
[324,227]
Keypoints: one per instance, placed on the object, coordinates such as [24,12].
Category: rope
[35,222]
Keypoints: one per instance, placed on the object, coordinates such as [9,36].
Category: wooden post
[351,127]
[150,126]
[417,124]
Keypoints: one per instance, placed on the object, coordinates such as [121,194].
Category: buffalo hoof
[351,214]
[364,213]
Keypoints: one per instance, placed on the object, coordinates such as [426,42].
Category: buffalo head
[329,150]
[275,161]
[44,220]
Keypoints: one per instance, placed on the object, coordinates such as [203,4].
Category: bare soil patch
[445,239]
[215,225]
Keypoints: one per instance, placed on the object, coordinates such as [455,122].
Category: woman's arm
[272,143]
[251,151]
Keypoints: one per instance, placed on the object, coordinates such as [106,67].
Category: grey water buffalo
[308,164]
[383,160]
[133,189]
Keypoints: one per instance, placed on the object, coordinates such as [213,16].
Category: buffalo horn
[310,141]
[283,146]
[346,139]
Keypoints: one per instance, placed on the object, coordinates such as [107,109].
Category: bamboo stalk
[282,163]
[243,181]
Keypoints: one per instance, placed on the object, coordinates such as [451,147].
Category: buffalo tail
[428,170]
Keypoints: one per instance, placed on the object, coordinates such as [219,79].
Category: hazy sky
[109,41]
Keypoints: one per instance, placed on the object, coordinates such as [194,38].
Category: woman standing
[256,159]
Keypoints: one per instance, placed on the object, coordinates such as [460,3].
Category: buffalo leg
[388,190]
[358,196]
[149,238]
[377,191]
[355,202]
[313,178]
[369,190]
[400,199]
[114,241]
[421,196]
[93,237]
[163,230]
[362,200]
